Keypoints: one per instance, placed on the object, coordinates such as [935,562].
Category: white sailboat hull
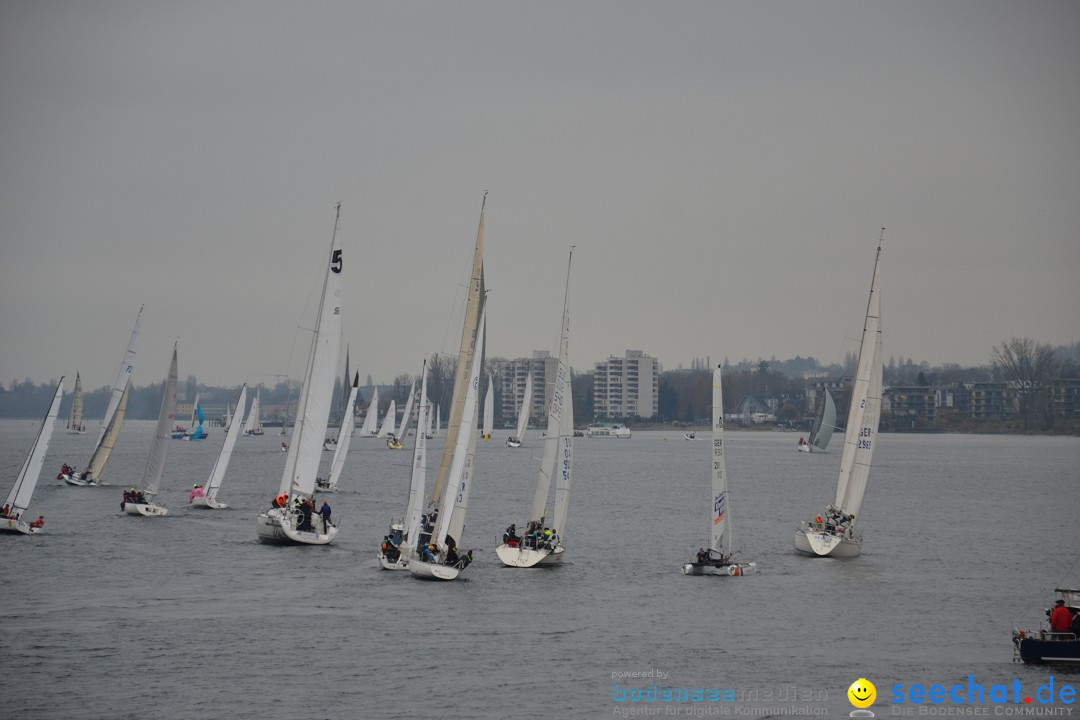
[17,527]
[804,448]
[817,543]
[145,509]
[523,557]
[77,481]
[727,570]
[204,502]
[511,442]
[433,571]
[402,563]
[274,527]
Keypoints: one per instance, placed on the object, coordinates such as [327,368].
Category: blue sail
[198,433]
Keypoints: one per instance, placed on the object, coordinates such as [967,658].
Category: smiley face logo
[862,693]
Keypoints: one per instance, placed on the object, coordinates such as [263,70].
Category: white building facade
[626,387]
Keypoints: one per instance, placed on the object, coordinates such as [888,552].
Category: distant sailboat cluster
[427,539]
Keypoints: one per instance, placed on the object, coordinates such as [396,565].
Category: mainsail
[406,416]
[560,426]
[217,475]
[155,463]
[18,500]
[388,420]
[824,423]
[523,411]
[720,537]
[419,468]
[372,417]
[100,459]
[75,419]
[455,501]
[345,433]
[313,409]
[126,367]
[864,408]
[469,330]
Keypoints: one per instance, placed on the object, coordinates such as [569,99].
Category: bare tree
[403,384]
[1030,367]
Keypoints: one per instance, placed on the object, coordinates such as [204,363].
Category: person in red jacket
[1060,618]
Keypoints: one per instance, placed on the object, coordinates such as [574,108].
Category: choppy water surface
[107,615]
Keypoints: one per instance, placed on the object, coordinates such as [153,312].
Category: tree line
[684,395]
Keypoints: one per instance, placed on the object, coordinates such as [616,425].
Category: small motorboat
[1049,645]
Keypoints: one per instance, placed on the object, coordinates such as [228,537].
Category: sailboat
[444,562]
[489,409]
[455,467]
[341,448]
[197,417]
[523,415]
[716,559]
[396,440]
[114,418]
[823,427]
[207,497]
[371,419]
[140,501]
[253,424]
[387,427]
[544,537]
[282,523]
[434,420]
[833,533]
[75,425]
[18,500]
[400,543]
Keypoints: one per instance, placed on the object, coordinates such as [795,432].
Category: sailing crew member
[511,536]
[39,523]
[1060,617]
[325,512]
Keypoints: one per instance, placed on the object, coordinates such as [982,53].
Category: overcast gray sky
[724,169]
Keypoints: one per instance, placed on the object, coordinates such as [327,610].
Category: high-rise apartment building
[543,368]
[625,387]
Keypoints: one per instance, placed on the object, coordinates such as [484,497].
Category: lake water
[106,615]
